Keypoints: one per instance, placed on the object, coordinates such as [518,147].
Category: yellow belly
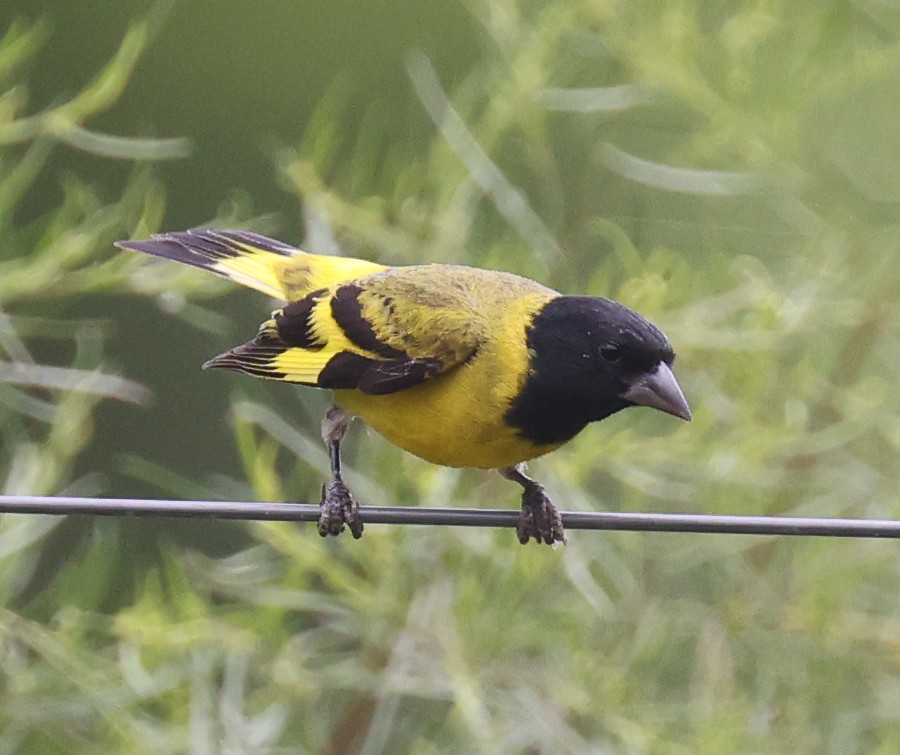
[455,420]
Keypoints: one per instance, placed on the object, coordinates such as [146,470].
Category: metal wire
[574,520]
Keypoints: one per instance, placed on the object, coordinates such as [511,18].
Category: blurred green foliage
[730,170]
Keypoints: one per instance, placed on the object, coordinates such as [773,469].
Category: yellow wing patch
[300,365]
[348,337]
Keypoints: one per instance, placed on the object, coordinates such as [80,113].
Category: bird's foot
[338,509]
[539,519]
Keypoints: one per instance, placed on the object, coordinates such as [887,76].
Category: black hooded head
[589,358]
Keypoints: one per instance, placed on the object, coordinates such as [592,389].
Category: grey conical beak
[660,390]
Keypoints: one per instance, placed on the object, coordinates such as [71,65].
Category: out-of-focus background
[731,170]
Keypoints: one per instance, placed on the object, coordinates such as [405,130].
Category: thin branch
[73,379]
[574,520]
[510,201]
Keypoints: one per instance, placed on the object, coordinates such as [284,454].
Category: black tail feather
[204,248]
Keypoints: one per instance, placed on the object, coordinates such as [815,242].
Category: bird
[458,365]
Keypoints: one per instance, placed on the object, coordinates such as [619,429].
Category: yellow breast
[457,419]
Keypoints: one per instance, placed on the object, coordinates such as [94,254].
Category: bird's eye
[611,353]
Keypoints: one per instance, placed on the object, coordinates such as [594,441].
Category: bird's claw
[539,519]
[338,509]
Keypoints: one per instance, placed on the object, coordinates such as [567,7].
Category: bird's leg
[539,518]
[338,506]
